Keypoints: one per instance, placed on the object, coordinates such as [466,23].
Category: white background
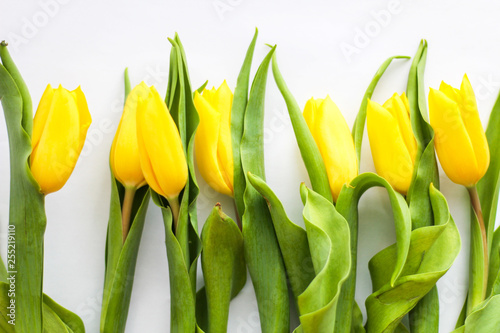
[89,43]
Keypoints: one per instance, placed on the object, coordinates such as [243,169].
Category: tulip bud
[161,155]
[334,140]
[460,142]
[59,130]
[393,145]
[124,157]
[213,149]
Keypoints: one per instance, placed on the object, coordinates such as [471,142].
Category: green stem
[238,219]
[175,207]
[128,202]
[479,254]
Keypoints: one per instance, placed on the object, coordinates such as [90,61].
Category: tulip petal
[398,109]
[85,118]
[391,157]
[223,103]
[160,148]
[207,144]
[452,141]
[124,157]
[472,122]
[41,115]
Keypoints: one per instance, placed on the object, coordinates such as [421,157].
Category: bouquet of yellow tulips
[313,268]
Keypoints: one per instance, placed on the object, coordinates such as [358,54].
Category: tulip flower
[334,140]
[161,154]
[460,141]
[124,157]
[59,130]
[393,145]
[213,148]
[463,151]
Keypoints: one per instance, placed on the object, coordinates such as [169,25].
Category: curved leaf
[359,124]
[484,319]
[424,318]
[347,206]
[432,251]
[292,240]
[308,149]
[328,235]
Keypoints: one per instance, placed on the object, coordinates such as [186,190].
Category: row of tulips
[314,268]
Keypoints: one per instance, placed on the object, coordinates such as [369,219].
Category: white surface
[89,43]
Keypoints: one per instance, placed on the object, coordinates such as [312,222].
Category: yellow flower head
[213,149]
[460,142]
[124,157]
[334,140]
[393,145]
[161,154]
[59,130]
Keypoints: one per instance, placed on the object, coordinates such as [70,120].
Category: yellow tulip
[393,145]
[334,140]
[213,149]
[161,155]
[460,141]
[124,157]
[59,130]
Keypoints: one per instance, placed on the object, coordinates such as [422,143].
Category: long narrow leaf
[262,252]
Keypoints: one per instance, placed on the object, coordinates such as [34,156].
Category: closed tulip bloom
[161,155]
[124,157]
[334,140]
[213,148]
[460,141]
[59,130]
[393,145]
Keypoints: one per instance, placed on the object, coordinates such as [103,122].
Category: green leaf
[359,124]
[223,264]
[432,251]
[308,149]
[121,258]
[27,107]
[484,319]
[262,252]
[328,235]
[494,273]
[72,322]
[26,211]
[292,240]
[55,317]
[489,186]
[182,304]
[347,206]
[424,317]
[238,108]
